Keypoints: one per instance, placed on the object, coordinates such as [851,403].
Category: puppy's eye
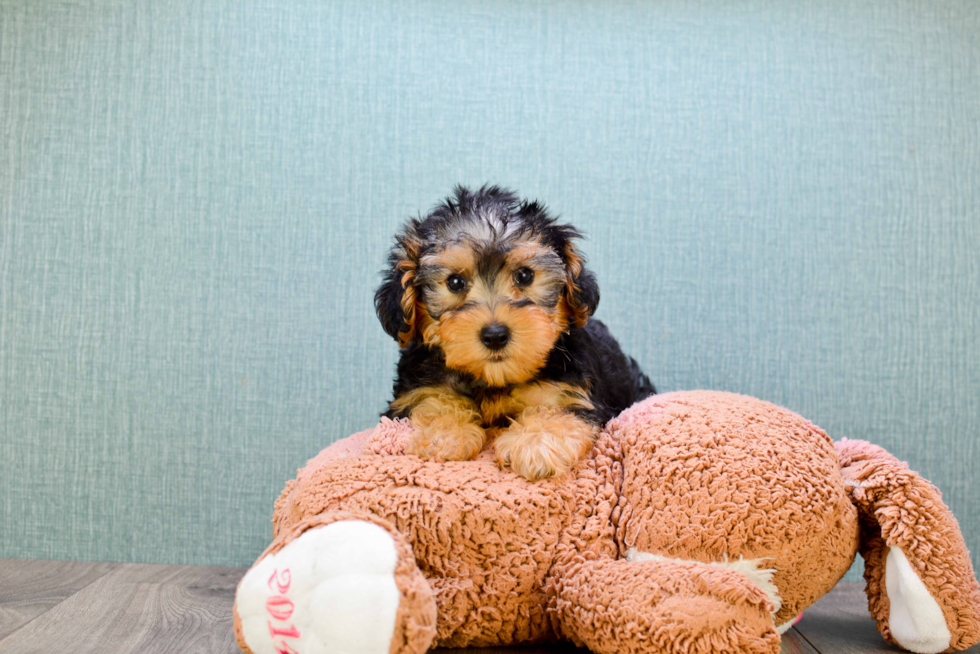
[455,283]
[524,276]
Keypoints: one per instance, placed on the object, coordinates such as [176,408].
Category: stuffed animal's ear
[396,299]
[581,288]
[920,581]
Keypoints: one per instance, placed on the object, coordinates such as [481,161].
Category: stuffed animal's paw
[331,589]
[544,442]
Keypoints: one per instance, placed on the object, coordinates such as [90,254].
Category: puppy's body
[490,301]
[584,357]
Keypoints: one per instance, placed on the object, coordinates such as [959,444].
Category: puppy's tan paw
[544,442]
[443,438]
[446,426]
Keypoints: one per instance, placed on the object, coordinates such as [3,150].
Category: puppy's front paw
[443,438]
[544,442]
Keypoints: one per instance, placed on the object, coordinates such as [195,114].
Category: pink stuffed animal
[701,522]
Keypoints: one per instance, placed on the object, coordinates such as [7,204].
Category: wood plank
[30,588]
[840,622]
[151,609]
[794,643]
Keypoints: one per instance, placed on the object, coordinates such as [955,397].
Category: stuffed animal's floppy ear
[920,582]
[581,289]
[396,299]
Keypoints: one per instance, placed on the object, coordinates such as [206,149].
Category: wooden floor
[58,606]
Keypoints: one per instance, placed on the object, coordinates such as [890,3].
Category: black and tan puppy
[491,302]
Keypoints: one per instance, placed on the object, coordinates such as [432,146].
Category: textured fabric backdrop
[782,199]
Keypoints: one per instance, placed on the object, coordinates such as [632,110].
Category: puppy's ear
[396,299]
[581,288]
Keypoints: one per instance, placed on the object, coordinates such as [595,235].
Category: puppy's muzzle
[495,336]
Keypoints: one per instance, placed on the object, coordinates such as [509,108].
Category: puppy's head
[490,280]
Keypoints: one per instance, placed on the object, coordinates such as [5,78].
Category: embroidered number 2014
[280,609]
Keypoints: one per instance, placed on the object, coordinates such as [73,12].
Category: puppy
[490,301]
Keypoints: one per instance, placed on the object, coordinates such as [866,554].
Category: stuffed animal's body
[701,522]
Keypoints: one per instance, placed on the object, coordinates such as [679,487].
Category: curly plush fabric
[718,496]
[699,523]
[672,606]
[483,537]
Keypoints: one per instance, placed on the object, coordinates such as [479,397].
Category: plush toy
[701,522]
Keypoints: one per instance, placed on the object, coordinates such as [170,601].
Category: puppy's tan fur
[544,442]
[543,439]
[447,425]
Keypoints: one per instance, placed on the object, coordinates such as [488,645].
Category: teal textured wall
[782,199]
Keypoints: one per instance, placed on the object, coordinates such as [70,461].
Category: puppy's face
[493,304]
[490,281]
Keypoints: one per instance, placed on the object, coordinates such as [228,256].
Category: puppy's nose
[495,336]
